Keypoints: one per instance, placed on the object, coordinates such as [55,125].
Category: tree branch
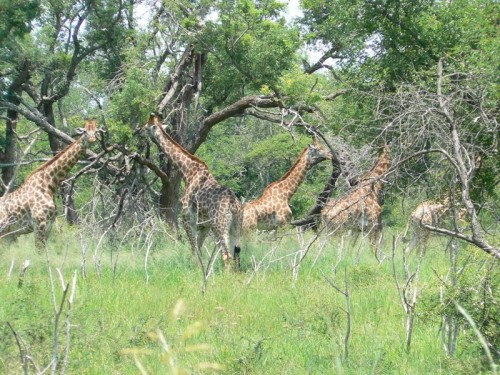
[237,108]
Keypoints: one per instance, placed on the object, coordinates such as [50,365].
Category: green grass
[263,323]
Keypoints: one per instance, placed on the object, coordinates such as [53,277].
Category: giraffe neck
[381,166]
[55,170]
[188,164]
[289,183]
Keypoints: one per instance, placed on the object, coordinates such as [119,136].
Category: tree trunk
[11,146]
[48,112]
[68,199]
[169,198]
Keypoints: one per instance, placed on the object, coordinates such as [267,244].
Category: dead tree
[442,121]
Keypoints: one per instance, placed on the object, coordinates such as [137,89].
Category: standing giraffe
[360,209]
[206,204]
[427,213]
[31,207]
[271,210]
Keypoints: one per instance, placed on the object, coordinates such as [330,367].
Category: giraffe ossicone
[31,207]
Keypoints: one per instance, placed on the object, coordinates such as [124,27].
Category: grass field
[134,313]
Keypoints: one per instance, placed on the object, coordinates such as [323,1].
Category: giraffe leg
[192,237]
[423,242]
[40,236]
[42,216]
[222,238]
[376,238]
[201,235]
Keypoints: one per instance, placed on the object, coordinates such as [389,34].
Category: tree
[44,65]
[215,70]
[458,122]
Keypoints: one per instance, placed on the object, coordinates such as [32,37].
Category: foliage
[476,290]
[384,42]
[238,45]
[16,17]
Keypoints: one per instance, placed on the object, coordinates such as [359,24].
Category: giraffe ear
[80,131]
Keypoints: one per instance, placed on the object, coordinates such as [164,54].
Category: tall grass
[248,322]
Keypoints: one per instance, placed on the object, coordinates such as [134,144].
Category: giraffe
[360,209]
[206,204]
[271,210]
[31,207]
[429,213]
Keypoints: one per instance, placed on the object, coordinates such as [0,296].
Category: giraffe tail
[236,229]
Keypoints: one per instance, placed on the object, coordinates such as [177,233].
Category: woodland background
[241,84]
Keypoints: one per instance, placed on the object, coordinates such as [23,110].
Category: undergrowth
[135,313]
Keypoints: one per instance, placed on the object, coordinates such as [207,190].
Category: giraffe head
[88,133]
[153,123]
[153,120]
[316,153]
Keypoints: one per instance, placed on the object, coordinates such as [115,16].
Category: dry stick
[322,246]
[53,363]
[68,323]
[205,270]
[465,177]
[302,252]
[339,255]
[256,266]
[379,246]
[22,354]
[406,289]
[97,260]
[55,359]
[11,268]
[450,325]
[211,262]
[149,244]
[83,267]
[348,309]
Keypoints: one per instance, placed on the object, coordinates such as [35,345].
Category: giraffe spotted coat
[360,208]
[431,213]
[272,210]
[206,204]
[31,207]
